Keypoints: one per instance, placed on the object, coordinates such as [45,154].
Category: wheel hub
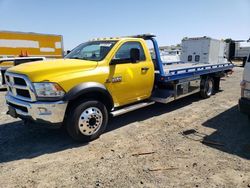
[90,121]
[209,87]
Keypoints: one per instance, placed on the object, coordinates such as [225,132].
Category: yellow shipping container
[14,44]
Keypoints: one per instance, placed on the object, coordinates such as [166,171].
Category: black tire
[216,84]
[73,122]
[244,61]
[207,87]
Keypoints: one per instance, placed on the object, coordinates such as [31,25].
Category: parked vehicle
[6,63]
[14,44]
[237,52]
[198,50]
[203,50]
[244,102]
[170,56]
[103,78]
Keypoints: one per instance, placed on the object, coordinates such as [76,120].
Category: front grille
[20,87]
[2,76]
[7,78]
[22,92]
[19,81]
[22,108]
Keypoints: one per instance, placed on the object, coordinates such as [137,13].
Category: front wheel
[87,120]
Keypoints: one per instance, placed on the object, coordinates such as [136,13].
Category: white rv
[244,102]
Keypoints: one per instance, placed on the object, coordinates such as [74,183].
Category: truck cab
[101,75]
[102,78]
[244,102]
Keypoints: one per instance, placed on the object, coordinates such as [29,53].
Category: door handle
[144,68]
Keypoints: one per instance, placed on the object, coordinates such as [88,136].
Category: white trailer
[241,51]
[203,50]
[235,50]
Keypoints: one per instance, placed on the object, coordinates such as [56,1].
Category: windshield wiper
[82,58]
[74,58]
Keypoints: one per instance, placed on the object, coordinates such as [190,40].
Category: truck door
[130,82]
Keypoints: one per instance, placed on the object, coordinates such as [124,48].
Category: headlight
[48,90]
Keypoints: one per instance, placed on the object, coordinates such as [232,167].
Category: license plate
[12,112]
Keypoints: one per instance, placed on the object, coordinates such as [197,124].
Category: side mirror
[134,55]
[115,61]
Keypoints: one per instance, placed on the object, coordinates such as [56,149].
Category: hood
[44,70]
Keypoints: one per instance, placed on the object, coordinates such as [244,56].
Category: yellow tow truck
[104,78]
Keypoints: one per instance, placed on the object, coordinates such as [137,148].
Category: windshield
[93,51]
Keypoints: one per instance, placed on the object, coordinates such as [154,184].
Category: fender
[88,87]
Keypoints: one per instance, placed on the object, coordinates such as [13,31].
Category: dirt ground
[216,155]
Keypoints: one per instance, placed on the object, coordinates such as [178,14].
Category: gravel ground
[216,155]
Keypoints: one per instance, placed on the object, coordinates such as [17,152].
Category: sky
[170,20]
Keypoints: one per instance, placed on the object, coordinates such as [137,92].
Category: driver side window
[124,51]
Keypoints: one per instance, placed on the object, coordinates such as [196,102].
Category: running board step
[131,108]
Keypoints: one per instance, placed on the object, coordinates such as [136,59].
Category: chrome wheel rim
[90,121]
[209,87]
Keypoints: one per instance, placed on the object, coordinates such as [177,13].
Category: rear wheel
[216,84]
[87,120]
[207,87]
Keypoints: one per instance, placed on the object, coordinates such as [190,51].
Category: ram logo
[114,79]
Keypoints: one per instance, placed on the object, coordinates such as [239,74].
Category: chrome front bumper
[2,79]
[2,85]
[47,112]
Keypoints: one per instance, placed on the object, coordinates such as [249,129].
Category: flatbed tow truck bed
[178,71]
[166,72]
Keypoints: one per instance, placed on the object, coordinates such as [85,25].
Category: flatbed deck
[178,71]
[166,72]
[178,66]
